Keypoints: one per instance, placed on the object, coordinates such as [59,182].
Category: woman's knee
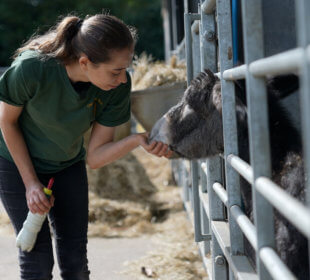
[72,259]
[38,263]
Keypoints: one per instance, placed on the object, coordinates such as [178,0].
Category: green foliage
[19,19]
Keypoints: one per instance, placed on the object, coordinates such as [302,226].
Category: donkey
[193,129]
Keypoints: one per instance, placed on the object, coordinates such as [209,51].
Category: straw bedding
[149,73]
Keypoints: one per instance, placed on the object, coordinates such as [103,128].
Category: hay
[126,200]
[124,179]
[176,255]
[148,73]
[112,218]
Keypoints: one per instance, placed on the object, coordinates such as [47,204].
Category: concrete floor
[106,256]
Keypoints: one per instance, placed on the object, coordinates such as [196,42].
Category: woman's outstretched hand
[156,148]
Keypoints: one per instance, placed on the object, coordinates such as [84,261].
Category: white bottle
[27,236]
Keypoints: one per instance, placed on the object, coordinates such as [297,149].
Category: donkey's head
[193,128]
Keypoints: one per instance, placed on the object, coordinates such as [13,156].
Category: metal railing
[213,197]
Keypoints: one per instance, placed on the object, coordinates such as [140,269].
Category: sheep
[193,129]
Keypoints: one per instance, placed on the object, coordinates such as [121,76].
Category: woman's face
[111,74]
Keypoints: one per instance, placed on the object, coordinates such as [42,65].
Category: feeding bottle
[27,236]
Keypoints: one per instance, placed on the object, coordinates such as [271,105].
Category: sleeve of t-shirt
[13,89]
[117,111]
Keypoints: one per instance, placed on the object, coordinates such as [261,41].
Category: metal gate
[211,187]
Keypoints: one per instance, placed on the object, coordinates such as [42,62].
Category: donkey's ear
[204,80]
[210,74]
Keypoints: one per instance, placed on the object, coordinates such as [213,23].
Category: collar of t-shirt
[81,88]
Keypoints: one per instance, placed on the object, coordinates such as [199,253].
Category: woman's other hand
[36,199]
[156,148]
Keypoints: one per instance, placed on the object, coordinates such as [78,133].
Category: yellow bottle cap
[47,191]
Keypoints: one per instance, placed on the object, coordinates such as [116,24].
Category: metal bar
[188,47]
[207,261]
[258,126]
[275,266]
[245,224]
[242,167]
[208,60]
[219,265]
[288,206]
[207,42]
[196,47]
[282,63]
[229,118]
[186,9]
[208,6]
[195,27]
[216,209]
[303,38]
[188,19]
[205,222]
[203,176]
[235,30]
[174,24]
[193,64]
[180,50]
[221,192]
[196,203]
[239,264]
[204,197]
[205,229]
[235,73]
[183,180]
[291,208]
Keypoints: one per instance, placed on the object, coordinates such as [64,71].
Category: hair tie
[79,24]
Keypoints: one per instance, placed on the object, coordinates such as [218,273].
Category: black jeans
[68,218]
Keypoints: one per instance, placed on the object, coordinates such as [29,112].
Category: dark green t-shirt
[55,116]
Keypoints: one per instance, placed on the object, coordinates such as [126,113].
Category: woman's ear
[84,62]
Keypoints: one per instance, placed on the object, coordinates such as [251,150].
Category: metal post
[208,60]
[216,212]
[196,205]
[196,51]
[193,64]
[303,38]
[258,127]
[219,264]
[188,19]
[229,121]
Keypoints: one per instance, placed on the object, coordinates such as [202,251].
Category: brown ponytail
[96,37]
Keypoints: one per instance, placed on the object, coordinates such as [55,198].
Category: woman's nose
[123,77]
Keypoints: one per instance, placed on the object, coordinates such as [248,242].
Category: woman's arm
[102,150]
[14,139]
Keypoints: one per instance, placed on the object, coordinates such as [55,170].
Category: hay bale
[148,73]
[124,179]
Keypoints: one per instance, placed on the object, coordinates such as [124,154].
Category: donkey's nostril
[160,131]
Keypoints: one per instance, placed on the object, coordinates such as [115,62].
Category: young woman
[58,86]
